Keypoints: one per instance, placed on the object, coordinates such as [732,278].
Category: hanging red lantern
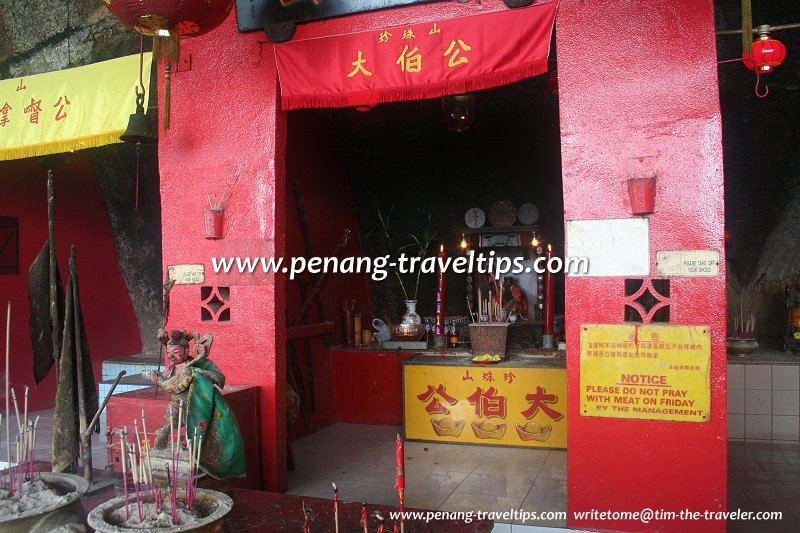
[765,54]
[167,21]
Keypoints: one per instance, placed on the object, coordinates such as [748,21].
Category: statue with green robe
[198,383]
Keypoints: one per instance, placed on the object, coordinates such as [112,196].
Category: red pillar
[640,78]
[227,127]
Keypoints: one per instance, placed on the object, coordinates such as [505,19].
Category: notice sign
[186,274]
[655,372]
[688,263]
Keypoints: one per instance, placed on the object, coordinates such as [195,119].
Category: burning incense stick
[400,476]
[306,519]
[8,417]
[335,507]
[197,462]
[364,524]
[150,487]
[16,410]
[25,410]
[34,470]
[381,521]
[171,430]
[124,458]
[135,473]
[178,434]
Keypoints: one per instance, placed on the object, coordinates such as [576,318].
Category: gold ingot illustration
[488,429]
[533,431]
[447,427]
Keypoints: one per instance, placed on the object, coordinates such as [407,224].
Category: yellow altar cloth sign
[486,404]
[655,372]
[70,109]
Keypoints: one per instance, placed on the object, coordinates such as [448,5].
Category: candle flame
[549,248]
[463,242]
[535,242]
[441,248]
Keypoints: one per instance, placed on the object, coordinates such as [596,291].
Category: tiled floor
[360,459]
[761,476]
[764,476]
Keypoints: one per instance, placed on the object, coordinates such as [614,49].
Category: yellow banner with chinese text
[486,404]
[656,372]
[70,109]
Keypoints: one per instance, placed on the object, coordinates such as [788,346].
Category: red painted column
[640,78]
[227,128]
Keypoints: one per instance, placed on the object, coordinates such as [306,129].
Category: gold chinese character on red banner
[434,29]
[359,66]
[408,34]
[410,60]
[454,52]
[34,109]
[61,113]
[384,37]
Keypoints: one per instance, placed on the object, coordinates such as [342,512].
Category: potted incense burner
[743,341]
[210,507]
[49,502]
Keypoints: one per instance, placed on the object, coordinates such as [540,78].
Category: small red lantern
[167,21]
[766,52]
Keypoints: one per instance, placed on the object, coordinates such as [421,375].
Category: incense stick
[8,416]
[16,409]
[335,507]
[124,458]
[150,486]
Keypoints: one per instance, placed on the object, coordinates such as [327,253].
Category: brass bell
[138,125]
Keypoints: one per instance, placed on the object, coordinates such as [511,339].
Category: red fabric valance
[417,61]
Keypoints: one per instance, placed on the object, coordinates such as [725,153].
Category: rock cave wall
[49,35]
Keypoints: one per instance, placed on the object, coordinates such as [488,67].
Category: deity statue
[195,382]
[514,300]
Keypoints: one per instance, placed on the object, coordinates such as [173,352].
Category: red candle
[441,287]
[399,461]
[400,477]
[549,294]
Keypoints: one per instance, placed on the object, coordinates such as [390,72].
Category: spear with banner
[46,299]
[76,397]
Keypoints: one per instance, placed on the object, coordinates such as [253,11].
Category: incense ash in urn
[209,509]
[49,501]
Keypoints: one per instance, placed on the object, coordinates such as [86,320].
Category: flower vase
[411,327]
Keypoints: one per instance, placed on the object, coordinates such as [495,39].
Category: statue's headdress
[175,337]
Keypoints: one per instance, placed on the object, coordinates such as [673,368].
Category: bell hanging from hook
[138,130]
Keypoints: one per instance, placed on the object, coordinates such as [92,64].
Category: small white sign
[688,263]
[187,274]
[615,247]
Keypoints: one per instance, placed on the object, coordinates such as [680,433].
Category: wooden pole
[55,322]
[86,440]
[96,417]
[8,412]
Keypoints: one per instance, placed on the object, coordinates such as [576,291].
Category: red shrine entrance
[628,86]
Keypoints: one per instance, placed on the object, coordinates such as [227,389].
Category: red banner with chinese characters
[417,61]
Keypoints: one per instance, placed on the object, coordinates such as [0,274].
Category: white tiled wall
[764,402]
[132,380]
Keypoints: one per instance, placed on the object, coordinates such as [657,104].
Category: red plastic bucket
[213,219]
[642,192]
